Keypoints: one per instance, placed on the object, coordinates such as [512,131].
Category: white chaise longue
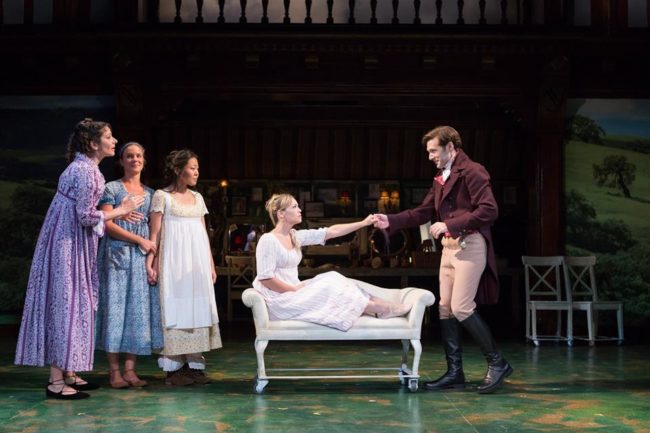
[407,329]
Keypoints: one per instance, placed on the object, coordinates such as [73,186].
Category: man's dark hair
[445,134]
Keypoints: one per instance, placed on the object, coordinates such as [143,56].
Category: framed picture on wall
[304,197]
[314,209]
[373,190]
[238,205]
[328,195]
[256,194]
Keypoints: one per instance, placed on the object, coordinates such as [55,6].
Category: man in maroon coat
[463,206]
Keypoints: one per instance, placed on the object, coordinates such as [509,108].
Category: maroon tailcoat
[465,202]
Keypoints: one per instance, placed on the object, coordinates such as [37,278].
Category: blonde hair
[276,203]
[279,202]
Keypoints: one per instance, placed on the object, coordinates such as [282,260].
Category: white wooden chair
[241,273]
[543,282]
[580,281]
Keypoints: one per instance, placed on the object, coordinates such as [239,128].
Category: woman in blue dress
[128,317]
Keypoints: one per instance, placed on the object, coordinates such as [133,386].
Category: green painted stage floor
[553,389]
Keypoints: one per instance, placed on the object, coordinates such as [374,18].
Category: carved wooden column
[621,13]
[527,12]
[71,13]
[609,15]
[129,99]
[553,15]
[28,12]
[152,8]
[126,12]
[546,230]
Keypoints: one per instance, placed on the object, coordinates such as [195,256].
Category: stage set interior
[328,100]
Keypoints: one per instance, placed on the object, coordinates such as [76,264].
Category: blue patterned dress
[128,316]
[57,324]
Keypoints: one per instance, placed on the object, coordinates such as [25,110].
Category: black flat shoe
[60,395]
[71,381]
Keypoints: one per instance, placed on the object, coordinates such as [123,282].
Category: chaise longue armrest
[419,299]
[255,301]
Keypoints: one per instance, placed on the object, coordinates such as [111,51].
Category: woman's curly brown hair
[176,162]
[85,132]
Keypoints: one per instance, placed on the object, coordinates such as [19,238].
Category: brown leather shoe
[199,376]
[178,378]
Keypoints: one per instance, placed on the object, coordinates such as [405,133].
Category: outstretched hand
[369,220]
[381,221]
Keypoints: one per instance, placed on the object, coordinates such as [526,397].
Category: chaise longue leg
[404,369]
[260,381]
[260,347]
[417,352]
[405,354]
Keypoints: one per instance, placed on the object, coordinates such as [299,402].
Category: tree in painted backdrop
[583,128]
[20,225]
[585,231]
[615,172]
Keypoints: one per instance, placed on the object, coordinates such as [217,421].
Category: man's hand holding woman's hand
[381,221]
[370,220]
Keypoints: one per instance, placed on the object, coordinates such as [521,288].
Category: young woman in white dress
[328,299]
[184,271]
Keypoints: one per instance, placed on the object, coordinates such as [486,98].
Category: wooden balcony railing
[610,15]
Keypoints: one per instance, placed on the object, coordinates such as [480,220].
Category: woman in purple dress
[57,325]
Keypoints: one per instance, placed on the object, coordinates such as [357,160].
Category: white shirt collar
[446,170]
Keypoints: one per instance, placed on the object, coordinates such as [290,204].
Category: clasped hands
[152,275]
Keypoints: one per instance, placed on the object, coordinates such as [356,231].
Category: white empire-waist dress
[329,299]
[189,311]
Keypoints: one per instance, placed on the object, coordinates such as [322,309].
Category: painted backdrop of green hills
[602,221]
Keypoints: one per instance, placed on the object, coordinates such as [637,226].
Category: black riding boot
[498,368]
[454,377]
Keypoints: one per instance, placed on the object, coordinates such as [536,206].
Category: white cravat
[446,170]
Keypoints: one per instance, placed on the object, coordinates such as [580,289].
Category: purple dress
[57,325]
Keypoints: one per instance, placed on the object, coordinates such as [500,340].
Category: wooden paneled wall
[332,151]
